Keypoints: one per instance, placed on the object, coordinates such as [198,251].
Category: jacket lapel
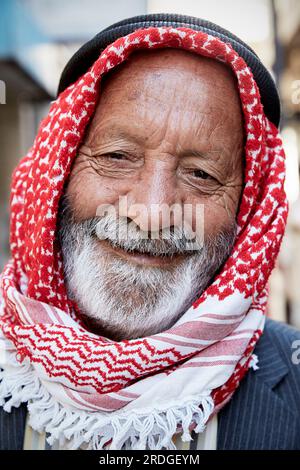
[257,417]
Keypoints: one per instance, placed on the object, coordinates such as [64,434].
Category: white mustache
[127,235]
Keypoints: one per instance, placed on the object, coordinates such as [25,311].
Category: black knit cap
[90,51]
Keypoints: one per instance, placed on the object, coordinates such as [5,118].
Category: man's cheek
[226,201]
[217,216]
[87,192]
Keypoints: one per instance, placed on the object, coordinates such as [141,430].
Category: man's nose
[152,199]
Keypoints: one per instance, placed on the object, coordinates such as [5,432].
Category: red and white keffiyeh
[137,393]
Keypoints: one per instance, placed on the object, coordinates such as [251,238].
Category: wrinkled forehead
[170,81]
[165,58]
[166,66]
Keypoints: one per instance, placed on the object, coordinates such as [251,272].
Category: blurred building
[23,98]
[288,273]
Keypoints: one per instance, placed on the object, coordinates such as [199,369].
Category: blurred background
[37,37]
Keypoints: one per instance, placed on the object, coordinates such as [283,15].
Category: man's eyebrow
[114,134]
[120,134]
[203,154]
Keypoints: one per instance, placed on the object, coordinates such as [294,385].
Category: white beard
[122,300]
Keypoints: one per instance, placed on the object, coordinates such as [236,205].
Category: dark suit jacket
[264,412]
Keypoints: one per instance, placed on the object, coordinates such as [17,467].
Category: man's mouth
[143,258]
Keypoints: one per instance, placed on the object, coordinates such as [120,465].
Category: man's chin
[114,332]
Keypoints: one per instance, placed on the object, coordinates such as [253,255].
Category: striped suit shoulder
[264,413]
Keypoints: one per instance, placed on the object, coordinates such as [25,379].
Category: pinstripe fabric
[12,428]
[264,413]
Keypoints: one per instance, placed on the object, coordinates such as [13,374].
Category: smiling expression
[168,130]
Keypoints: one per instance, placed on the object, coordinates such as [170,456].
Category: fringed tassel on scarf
[73,428]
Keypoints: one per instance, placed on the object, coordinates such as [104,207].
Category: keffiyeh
[86,389]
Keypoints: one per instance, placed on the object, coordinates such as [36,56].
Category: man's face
[167,131]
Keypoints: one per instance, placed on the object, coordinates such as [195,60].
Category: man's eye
[116,156]
[201,174]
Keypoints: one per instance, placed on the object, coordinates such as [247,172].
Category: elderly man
[146,220]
